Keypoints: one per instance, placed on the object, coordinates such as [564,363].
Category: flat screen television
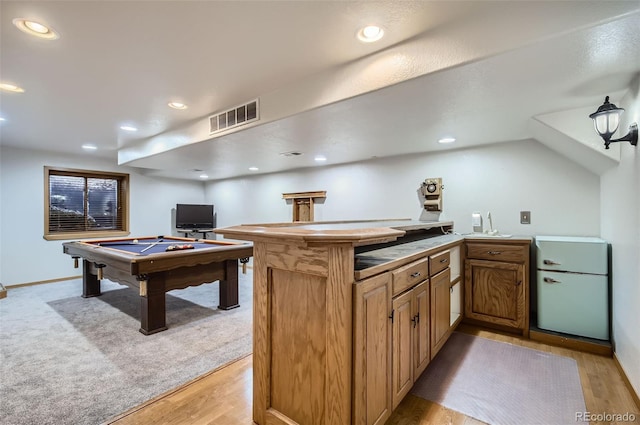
[195,216]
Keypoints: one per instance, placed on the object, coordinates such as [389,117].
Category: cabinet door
[421,338]
[440,310]
[402,370]
[495,292]
[372,351]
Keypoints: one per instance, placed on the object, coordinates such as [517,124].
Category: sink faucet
[491,231]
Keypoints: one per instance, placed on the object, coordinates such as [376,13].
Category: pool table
[158,264]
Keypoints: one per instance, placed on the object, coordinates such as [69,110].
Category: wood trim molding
[574,344]
[627,383]
[296,195]
[40,282]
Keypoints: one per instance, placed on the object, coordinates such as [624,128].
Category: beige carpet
[70,360]
[503,384]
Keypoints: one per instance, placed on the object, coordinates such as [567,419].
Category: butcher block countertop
[380,245]
[357,233]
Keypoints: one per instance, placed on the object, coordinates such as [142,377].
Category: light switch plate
[525,217]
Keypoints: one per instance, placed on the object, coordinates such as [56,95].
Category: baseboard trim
[41,282]
[61,279]
[574,344]
[625,378]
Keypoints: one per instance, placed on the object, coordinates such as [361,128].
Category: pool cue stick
[150,246]
[108,244]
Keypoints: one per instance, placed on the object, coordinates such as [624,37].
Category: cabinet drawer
[407,276]
[497,252]
[439,262]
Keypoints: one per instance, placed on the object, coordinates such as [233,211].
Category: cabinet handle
[518,283]
[392,314]
[444,260]
[494,252]
[451,289]
[551,263]
[416,274]
[415,320]
[550,280]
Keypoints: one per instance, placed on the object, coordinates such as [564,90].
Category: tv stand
[203,231]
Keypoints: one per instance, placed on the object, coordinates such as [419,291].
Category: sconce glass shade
[606,119]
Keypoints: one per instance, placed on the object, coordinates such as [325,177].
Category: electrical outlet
[525,217]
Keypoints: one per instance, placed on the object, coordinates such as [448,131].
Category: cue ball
[135,241]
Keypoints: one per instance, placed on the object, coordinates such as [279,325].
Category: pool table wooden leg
[153,308]
[90,282]
[229,286]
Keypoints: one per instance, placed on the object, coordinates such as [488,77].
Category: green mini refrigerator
[573,285]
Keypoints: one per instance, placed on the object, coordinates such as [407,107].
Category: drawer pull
[494,252]
[416,274]
[551,280]
[551,263]
[444,260]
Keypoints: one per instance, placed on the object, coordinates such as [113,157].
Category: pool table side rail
[136,265]
[168,238]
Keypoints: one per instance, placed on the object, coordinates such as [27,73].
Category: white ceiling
[477,70]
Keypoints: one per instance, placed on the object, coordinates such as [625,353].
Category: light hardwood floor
[224,396]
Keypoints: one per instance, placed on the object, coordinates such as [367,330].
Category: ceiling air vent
[234,117]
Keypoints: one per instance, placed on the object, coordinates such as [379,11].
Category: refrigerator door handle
[551,280]
[551,263]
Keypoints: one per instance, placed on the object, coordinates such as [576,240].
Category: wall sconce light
[606,120]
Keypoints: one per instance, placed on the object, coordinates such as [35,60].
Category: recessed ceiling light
[370,33]
[128,128]
[2,118]
[320,158]
[253,168]
[11,87]
[35,28]
[89,147]
[177,105]
[447,140]
[204,176]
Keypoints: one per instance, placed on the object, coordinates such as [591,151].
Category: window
[85,204]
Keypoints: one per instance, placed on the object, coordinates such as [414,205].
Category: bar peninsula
[309,362]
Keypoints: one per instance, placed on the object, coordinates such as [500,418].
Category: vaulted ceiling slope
[478,71]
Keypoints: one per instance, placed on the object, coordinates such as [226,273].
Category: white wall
[25,256]
[563,197]
[620,193]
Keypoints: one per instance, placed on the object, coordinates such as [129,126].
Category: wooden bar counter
[303,315]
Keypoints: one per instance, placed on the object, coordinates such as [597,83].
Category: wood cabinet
[497,283]
[372,350]
[412,304]
[421,341]
[446,295]
[440,310]
[410,339]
